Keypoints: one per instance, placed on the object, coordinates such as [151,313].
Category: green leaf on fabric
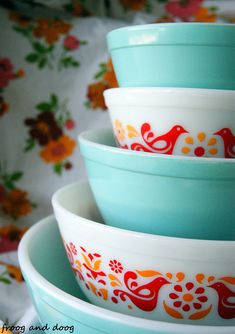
[42,62]
[22,31]
[69,62]
[68,7]
[54,100]
[87,104]
[44,106]
[16,176]
[30,143]
[5,280]
[213,8]
[58,168]
[103,69]
[40,48]
[50,48]
[32,57]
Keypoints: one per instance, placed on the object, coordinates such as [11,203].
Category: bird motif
[161,144]
[226,304]
[145,297]
[229,142]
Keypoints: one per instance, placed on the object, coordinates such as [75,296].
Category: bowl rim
[64,297]
[86,138]
[163,241]
[177,33]
[197,98]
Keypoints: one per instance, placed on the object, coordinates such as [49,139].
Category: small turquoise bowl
[60,303]
[190,55]
[175,196]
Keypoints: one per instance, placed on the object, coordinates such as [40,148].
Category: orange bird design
[229,142]
[161,144]
[226,305]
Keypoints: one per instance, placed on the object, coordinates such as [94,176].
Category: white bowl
[149,276]
[59,300]
[179,121]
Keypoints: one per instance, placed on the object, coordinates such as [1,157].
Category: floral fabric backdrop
[54,67]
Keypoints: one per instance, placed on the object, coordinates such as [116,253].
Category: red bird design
[162,144]
[145,297]
[229,142]
[226,305]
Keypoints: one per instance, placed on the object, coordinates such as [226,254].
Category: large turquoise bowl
[190,55]
[160,194]
[59,301]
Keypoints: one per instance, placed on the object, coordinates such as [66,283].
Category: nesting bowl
[160,194]
[194,55]
[160,278]
[59,300]
[178,121]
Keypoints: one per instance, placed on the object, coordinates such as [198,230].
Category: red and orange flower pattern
[7,74]
[45,36]
[185,298]
[201,145]
[47,131]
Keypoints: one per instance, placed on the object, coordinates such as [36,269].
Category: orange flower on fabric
[16,204]
[12,232]
[21,20]
[95,95]
[133,4]
[51,29]
[109,77]
[20,73]
[4,107]
[58,150]
[205,15]
[15,273]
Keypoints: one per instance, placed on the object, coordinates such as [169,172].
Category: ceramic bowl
[59,300]
[155,277]
[193,55]
[160,194]
[179,121]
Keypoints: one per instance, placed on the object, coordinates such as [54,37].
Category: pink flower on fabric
[70,124]
[6,72]
[71,42]
[183,9]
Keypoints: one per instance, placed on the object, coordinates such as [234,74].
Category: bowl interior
[53,252]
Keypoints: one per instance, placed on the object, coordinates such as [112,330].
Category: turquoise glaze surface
[190,55]
[160,194]
[53,289]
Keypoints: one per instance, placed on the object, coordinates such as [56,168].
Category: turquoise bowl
[59,301]
[190,55]
[175,196]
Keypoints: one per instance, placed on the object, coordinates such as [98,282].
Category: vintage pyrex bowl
[193,55]
[59,300]
[155,277]
[179,121]
[160,194]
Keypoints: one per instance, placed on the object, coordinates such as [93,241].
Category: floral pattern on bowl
[176,141]
[186,298]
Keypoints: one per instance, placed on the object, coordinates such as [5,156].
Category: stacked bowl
[153,233]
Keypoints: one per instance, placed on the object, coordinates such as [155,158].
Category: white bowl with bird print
[177,121]
[149,276]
